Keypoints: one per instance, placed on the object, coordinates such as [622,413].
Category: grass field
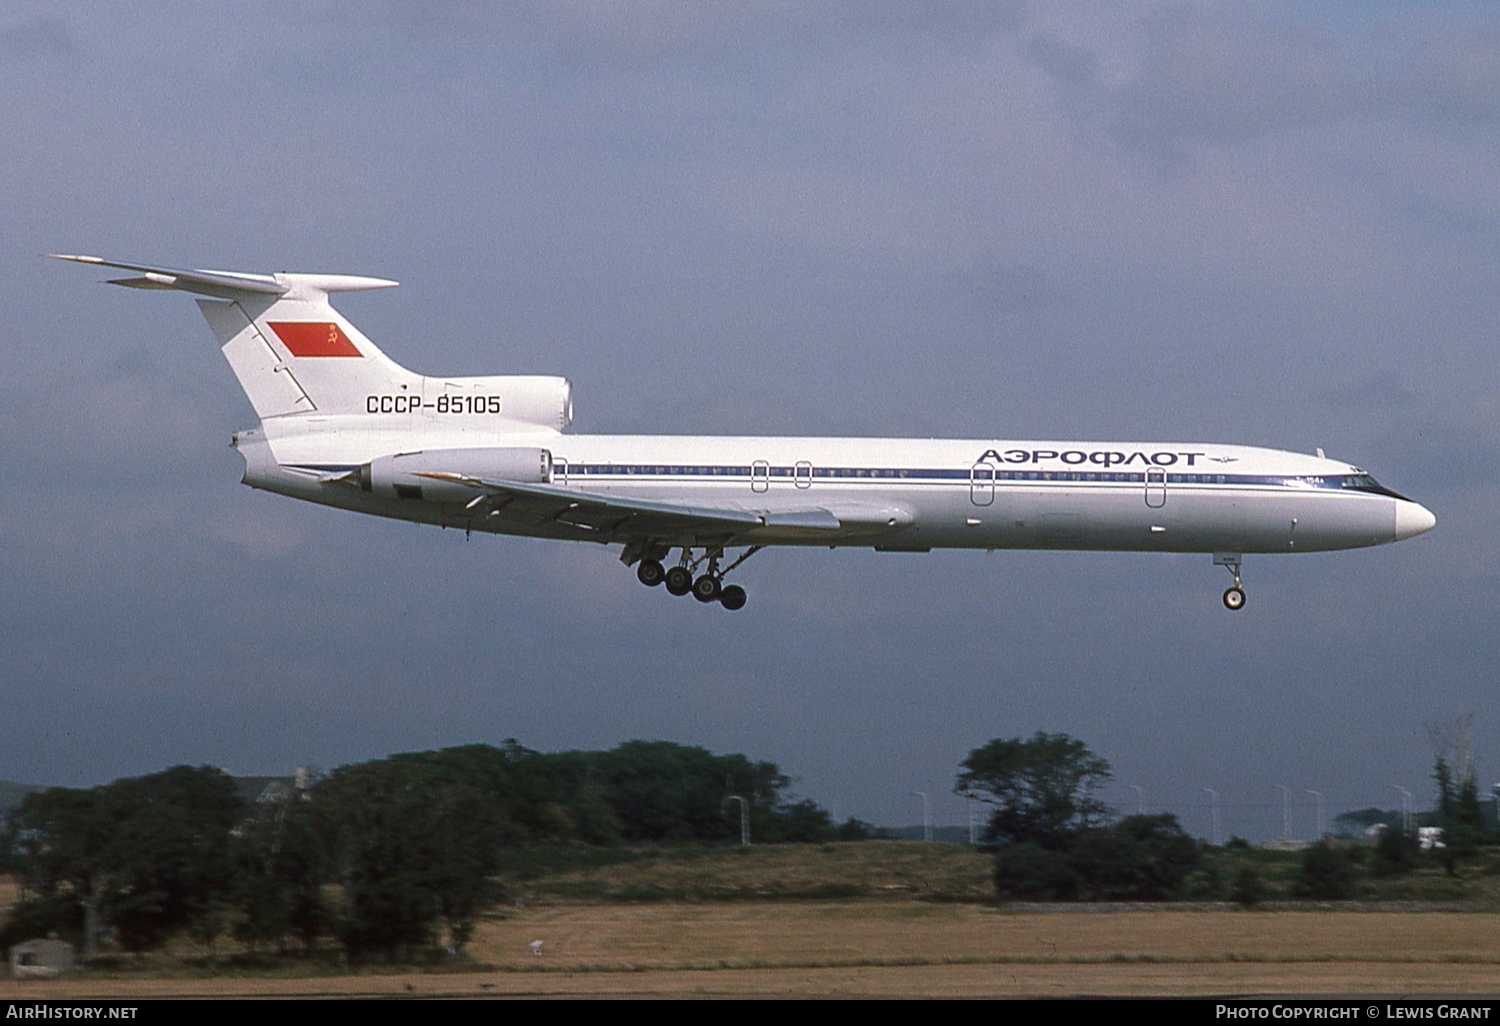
[900,947]
[803,871]
[903,919]
[943,872]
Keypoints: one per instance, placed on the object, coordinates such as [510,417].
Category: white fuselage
[893,494]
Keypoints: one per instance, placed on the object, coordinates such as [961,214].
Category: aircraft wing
[619,517]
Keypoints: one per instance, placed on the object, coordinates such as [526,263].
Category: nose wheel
[1234,595]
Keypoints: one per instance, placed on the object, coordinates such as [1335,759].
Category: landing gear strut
[706,588]
[1234,596]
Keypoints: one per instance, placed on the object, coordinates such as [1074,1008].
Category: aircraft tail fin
[291,350]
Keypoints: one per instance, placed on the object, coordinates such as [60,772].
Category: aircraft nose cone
[1412,519]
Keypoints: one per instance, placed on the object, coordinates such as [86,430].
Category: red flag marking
[313,338]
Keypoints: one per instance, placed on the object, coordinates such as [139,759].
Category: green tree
[663,791]
[146,855]
[1248,889]
[1043,788]
[1466,831]
[1158,854]
[412,841]
[1458,814]
[1396,853]
[1140,858]
[1026,871]
[1325,874]
[279,876]
[1447,792]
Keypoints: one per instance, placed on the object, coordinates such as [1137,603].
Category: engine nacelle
[544,401]
[402,476]
[528,399]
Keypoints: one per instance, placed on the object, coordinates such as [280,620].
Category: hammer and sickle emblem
[333,334]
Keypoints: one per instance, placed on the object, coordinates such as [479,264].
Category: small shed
[41,958]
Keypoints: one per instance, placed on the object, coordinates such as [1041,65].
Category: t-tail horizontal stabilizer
[291,350]
[230,284]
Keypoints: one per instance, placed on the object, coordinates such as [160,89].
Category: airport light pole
[1286,827]
[926,815]
[1405,808]
[744,818]
[1140,797]
[1319,796]
[1214,805]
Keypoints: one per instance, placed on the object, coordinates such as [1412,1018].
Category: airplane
[343,425]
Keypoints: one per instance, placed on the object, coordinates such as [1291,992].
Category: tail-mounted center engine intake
[407,475]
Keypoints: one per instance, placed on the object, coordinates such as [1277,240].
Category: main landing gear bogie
[708,587]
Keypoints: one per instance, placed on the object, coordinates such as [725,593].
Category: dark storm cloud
[38,37]
[1204,77]
[996,288]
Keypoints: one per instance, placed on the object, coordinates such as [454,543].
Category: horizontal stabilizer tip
[150,281]
[232,284]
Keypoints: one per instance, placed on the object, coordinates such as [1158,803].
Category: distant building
[41,958]
[255,790]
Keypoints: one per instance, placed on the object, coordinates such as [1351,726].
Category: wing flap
[618,516]
[608,514]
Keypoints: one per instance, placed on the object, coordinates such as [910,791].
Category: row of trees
[1053,833]
[1056,840]
[401,854]
[387,856]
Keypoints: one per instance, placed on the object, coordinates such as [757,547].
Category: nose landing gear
[1234,595]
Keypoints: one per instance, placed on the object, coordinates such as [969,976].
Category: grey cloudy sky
[1274,224]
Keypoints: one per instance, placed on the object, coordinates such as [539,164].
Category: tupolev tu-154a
[344,425]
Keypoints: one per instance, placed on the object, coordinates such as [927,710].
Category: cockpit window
[1354,482]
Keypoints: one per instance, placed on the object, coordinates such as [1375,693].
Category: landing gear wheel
[1234,598]
[732,597]
[679,581]
[650,573]
[707,588]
